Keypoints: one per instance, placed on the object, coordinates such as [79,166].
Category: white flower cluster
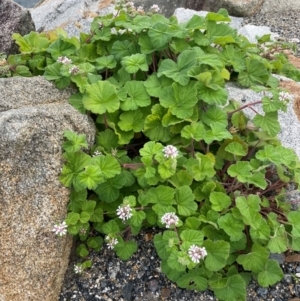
[97,153]
[196,253]
[170,151]
[111,242]
[74,70]
[124,212]
[284,96]
[170,219]
[78,269]
[154,8]
[64,60]
[60,229]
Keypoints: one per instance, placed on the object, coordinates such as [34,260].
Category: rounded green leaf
[101,97]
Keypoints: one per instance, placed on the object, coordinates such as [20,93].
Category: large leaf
[179,99]
[255,260]
[137,96]
[217,254]
[232,226]
[268,122]
[101,97]
[255,73]
[184,198]
[159,34]
[178,70]
[271,274]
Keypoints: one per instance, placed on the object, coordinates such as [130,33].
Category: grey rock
[288,279]
[74,16]
[289,123]
[252,32]
[127,291]
[238,8]
[262,291]
[280,258]
[33,117]
[13,19]
[153,285]
[280,6]
[184,15]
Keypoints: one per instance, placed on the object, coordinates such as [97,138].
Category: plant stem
[249,105]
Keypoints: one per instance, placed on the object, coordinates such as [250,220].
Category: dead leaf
[293,258]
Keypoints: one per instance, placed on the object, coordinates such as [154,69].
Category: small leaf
[271,274]
[90,177]
[234,289]
[110,227]
[192,280]
[268,123]
[135,62]
[74,141]
[194,131]
[125,249]
[219,201]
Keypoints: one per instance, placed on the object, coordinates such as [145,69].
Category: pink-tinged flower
[64,60]
[170,219]
[60,229]
[196,253]
[124,212]
[130,4]
[154,8]
[170,151]
[284,96]
[78,269]
[140,10]
[74,70]
[111,242]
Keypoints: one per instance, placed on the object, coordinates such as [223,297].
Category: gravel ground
[140,279]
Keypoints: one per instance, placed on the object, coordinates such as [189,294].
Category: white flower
[64,60]
[113,31]
[60,229]
[170,151]
[140,9]
[124,212]
[78,269]
[154,8]
[111,242]
[130,4]
[169,219]
[196,253]
[74,70]
[284,96]
[97,153]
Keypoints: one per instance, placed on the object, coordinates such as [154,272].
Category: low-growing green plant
[171,151]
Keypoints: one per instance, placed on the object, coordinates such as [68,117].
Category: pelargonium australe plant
[171,150]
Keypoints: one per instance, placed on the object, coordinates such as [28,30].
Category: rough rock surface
[289,121]
[280,6]
[33,116]
[238,8]
[13,18]
[74,16]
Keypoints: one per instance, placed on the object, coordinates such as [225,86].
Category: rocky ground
[140,279]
